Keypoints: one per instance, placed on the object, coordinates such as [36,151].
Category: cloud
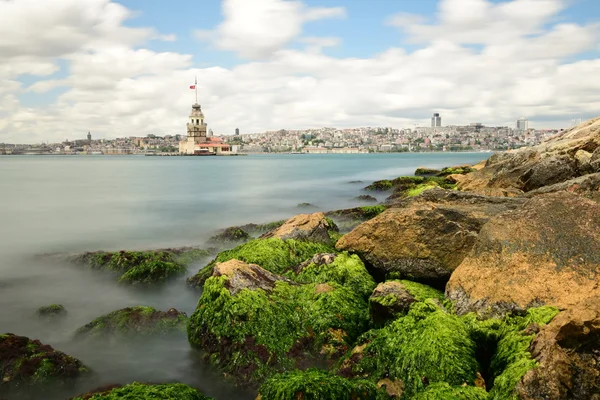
[257,29]
[122,88]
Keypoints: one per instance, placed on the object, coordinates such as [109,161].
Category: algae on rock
[135,390]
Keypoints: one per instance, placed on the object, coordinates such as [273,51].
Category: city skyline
[118,68]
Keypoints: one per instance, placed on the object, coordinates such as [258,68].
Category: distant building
[237,131]
[436,120]
[89,138]
[197,142]
[522,124]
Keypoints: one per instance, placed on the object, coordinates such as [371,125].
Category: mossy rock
[26,362]
[254,334]
[411,186]
[457,170]
[443,391]
[135,390]
[306,205]
[348,219]
[314,384]
[132,321]
[231,235]
[259,229]
[51,311]
[274,255]
[366,198]
[426,171]
[146,267]
[427,345]
[380,186]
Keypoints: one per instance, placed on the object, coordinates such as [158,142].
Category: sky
[124,67]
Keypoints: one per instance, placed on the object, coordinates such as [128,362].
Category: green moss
[314,384]
[191,256]
[255,333]
[426,171]
[372,211]
[231,235]
[172,391]
[152,271]
[443,391]
[382,185]
[134,321]
[45,371]
[417,190]
[51,310]
[461,170]
[346,270]
[274,254]
[426,345]
[422,292]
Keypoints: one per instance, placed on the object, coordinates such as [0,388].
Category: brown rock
[546,252]
[568,352]
[393,388]
[389,299]
[309,227]
[565,156]
[587,185]
[426,237]
[318,259]
[246,276]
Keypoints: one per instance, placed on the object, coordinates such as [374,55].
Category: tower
[89,138]
[237,131]
[436,120]
[522,124]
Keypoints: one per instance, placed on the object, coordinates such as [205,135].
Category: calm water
[71,204]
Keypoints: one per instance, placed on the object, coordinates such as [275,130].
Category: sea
[54,205]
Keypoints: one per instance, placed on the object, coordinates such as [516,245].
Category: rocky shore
[470,283]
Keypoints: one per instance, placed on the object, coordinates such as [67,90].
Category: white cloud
[119,88]
[257,29]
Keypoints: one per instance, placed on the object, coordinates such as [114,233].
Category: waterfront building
[436,120]
[197,141]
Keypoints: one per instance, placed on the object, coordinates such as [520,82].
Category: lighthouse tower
[196,131]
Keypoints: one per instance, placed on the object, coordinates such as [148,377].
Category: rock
[307,227]
[545,252]
[350,218]
[394,298]
[426,346]
[568,353]
[563,157]
[442,390]
[51,311]
[275,255]
[135,390]
[232,234]
[366,197]
[259,229]
[26,362]
[380,186]
[315,384]
[252,334]
[456,170]
[355,182]
[133,321]
[306,205]
[595,160]
[426,237]
[422,171]
[241,275]
[146,267]
[587,185]
[318,260]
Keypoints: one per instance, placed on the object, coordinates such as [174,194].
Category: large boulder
[242,276]
[587,185]
[424,238]
[134,321]
[26,362]
[308,227]
[568,155]
[568,353]
[545,252]
[349,218]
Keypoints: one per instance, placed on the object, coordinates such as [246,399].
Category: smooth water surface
[65,204]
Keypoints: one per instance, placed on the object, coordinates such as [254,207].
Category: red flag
[193,87]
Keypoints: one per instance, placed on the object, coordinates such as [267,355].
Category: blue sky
[123,66]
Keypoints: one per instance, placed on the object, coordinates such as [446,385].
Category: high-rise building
[522,124]
[89,138]
[237,131]
[436,120]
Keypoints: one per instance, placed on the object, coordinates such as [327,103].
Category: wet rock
[52,311]
[568,353]
[253,333]
[315,384]
[246,276]
[422,171]
[350,218]
[133,321]
[355,182]
[232,234]
[27,362]
[135,390]
[426,237]
[390,299]
[307,227]
[587,185]
[366,197]
[456,170]
[275,255]
[545,252]
[306,205]
[380,186]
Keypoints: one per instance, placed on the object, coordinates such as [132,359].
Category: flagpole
[196,88]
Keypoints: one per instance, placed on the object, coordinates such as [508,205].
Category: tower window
[197,122]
